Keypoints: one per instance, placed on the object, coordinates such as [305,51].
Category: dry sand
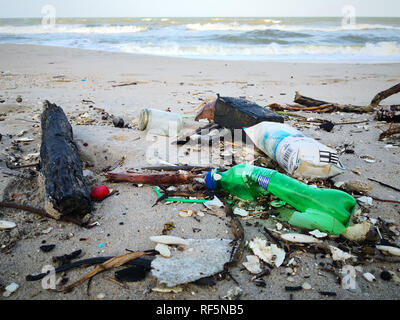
[68,76]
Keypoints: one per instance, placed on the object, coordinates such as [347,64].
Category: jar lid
[143,119]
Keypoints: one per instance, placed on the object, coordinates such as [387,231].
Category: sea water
[369,40]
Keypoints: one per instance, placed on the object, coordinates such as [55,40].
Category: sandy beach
[89,82]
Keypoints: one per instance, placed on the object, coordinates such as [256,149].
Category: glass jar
[160,122]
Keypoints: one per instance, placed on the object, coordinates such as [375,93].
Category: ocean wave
[234,26]
[383,49]
[79,29]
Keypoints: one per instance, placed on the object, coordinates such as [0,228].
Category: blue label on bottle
[263,182]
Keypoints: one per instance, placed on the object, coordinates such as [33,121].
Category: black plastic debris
[234,113]
[47,248]
[327,126]
[385,275]
[131,274]
[66,258]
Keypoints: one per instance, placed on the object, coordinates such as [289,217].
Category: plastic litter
[323,209]
[297,154]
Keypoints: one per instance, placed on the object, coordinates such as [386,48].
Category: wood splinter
[152,179]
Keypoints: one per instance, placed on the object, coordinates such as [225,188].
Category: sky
[198,8]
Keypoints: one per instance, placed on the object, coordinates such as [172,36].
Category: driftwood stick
[328,106]
[43,213]
[383,95]
[384,184]
[152,179]
[61,167]
[177,168]
[391,131]
[109,264]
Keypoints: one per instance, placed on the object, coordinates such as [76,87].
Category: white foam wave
[382,49]
[277,26]
[80,29]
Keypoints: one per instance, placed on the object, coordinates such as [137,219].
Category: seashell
[270,254]
[369,277]
[163,249]
[358,186]
[391,250]
[252,264]
[318,234]
[7,225]
[186,213]
[340,255]
[369,159]
[240,212]
[357,232]
[306,286]
[300,238]
[176,289]
[169,240]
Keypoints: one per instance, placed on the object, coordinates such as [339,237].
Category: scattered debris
[252,264]
[318,234]
[7,225]
[388,249]
[99,192]
[47,248]
[203,257]
[233,293]
[163,249]
[172,240]
[270,254]
[369,277]
[10,289]
[299,238]
[340,255]
[357,232]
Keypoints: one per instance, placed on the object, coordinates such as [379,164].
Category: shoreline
[222,59]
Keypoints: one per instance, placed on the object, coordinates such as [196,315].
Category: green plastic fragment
[183,200]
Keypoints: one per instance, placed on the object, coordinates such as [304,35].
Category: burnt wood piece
[66,191]
[234,113]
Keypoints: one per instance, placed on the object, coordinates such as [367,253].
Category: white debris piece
[163,249]
[300,238]
[213,204]
[7,225]
[204,258]
[318,234]
[233,293]
[252,264]
[270,254]
[340,255]
[170,240]
[391,250]
[369,277]
[365,200]
[306,286]
[240,212]
[10,289]
[161,289]
[357,232]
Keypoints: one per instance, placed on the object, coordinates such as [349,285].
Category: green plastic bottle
[324,209]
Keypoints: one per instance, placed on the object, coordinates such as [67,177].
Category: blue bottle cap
[210,182]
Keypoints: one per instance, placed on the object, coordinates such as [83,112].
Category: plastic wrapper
[297,154]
